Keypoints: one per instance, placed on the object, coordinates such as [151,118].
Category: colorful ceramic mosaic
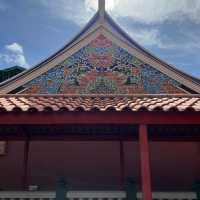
[102,68]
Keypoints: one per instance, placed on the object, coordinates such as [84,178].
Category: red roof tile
[135,103]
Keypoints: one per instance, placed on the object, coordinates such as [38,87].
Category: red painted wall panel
[96,165]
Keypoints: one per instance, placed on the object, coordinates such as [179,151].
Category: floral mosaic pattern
[102,68]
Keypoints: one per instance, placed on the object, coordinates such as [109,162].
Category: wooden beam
[145,162]
[111,117]
[94,138]
[103,132]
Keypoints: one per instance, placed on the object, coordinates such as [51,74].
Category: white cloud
[15,47]
[78,11]
[14,55]
[153,38]
[157,11]
[148,37]
[151,11]
[73,10]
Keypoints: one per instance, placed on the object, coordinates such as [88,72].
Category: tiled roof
[24,103]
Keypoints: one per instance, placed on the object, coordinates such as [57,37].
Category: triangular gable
[144,74]
[102,67]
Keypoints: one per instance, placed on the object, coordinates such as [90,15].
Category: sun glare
[110,4]
[93,4]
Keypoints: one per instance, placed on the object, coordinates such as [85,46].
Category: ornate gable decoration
[102,67]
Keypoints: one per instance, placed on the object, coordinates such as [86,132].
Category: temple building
[105,115]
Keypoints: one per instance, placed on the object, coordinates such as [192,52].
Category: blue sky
[31,30]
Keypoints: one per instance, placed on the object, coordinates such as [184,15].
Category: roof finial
[102,7]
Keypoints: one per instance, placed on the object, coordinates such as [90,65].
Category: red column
[25,164]
[122,164]
[145,162]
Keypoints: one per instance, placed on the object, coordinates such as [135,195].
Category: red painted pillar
[145,162]
[122,164]
[25,164]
